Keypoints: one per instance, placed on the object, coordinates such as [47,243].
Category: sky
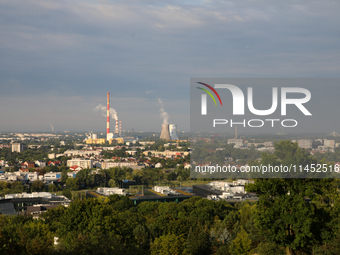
[60,58]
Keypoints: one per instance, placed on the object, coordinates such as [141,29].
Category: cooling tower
[173,131]
[165,132]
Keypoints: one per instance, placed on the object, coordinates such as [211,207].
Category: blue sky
[59,58]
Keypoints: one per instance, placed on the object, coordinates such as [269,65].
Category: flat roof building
[17,147]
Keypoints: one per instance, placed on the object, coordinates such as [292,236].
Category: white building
[268,144]
[329,143]
[231,187]
[164,190]
[173,131]
[131,152]
[238,142]
[12,177]
[81,153]
[54,198]
[108,165]
[71,174]
[40,163]
[51,156]
[305,143]
[84,163]
[111,191]
[158,165]
[166,153]
[29,195]
[54,156]
[52,176]
[17,147]
[32,176]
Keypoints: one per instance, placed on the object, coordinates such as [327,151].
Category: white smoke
[164,114]
[103,109]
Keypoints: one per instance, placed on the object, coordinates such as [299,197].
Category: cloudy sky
[59,58]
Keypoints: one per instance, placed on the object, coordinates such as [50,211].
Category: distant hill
[333,134]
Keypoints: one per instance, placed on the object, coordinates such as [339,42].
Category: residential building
[52,177]
[329,143]
[238,142]
[305,143]
[133,165]
[84,163]
[17,147]
[40,163]
[32,176]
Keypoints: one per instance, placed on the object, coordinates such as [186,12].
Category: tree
[23,235]
[142,238]
[52,188]
[72,183]
[269,249]
[241,244]
[18,187]
[168,245]
[52,169]
[67,193]
[64,176]
[245,214]
[198,242]
[52,217]
[37,186]
[283,215]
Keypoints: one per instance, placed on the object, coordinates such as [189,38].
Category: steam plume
[164,114]
[102,109]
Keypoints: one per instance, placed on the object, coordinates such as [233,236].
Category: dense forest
[195,226]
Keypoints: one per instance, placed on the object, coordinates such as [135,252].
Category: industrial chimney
[165,132]
[108,114]
[116,131]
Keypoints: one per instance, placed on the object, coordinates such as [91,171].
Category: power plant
[169,132]
[110,137]
[173,131]
[118,128]
[165,134]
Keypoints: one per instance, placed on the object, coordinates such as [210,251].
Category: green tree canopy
[288,212]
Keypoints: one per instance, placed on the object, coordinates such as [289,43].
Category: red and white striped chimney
[108,114]
[116,126]
[120,126]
